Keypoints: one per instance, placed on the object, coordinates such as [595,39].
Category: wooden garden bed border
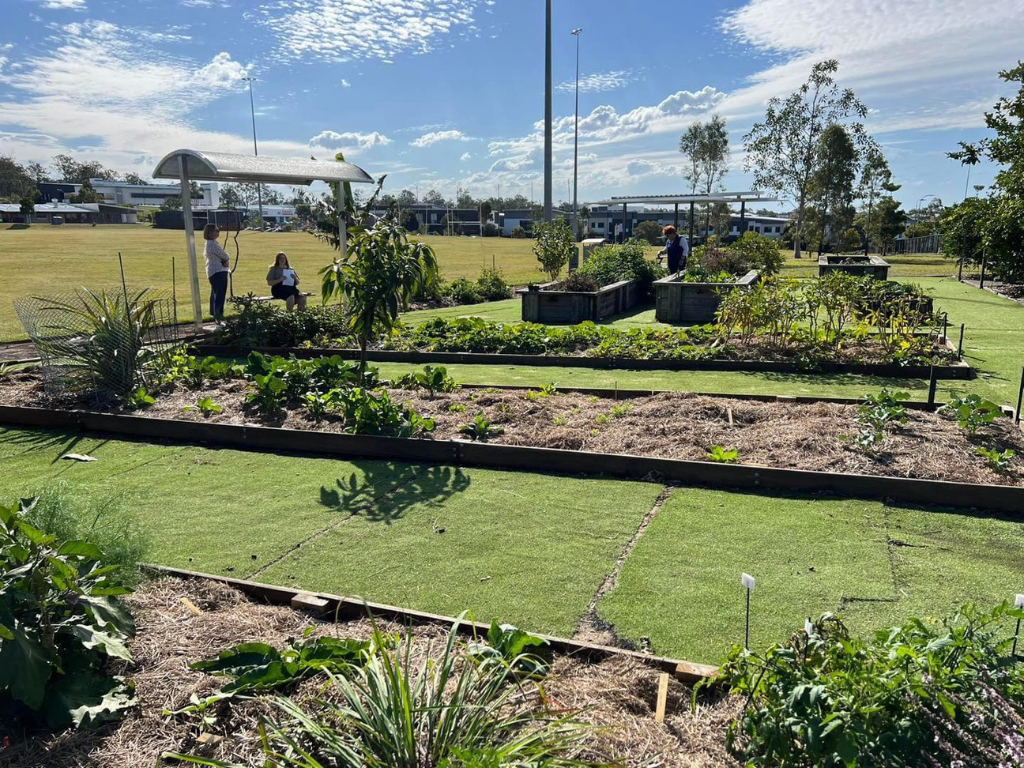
[1001,498]
[959,370]
[355,608]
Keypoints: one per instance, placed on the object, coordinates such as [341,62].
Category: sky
[449,94]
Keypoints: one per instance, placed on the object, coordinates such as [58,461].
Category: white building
[120,193]
[273,214]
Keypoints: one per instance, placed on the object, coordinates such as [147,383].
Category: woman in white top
[217,270]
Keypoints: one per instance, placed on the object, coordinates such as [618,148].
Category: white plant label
[749,581]
[1019,602]
[808,627]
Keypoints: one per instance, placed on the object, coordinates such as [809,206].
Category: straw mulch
[616,696]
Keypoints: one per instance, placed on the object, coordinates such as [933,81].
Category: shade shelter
[188,165]
[751,196]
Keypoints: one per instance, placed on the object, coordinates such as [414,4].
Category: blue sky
[447,93]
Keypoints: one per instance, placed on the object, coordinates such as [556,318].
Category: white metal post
[342,221]
[190,242]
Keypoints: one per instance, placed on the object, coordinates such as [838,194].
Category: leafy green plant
[379,275]
[629,261]
[514,647]
[492,285]
[206,406]
[139,399]
[547,390]
[463,291]
[576,282]
[876,414]
[432,379]
[101,337]
[971,412]
[996,459]
[266,393]
[367,412]
[722,456]
[560,420]
[618,411]
[481,429]
[60,621]
[456,408]
[319,404]
[828,698]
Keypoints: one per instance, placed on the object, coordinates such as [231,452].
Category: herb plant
[206,406]
[515,647]
[432,379]
[140,398]
[876,414]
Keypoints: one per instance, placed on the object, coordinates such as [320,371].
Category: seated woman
[284,283]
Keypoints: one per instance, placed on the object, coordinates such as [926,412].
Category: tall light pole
[255,149]
[576,143]
[548,116]
[919,201]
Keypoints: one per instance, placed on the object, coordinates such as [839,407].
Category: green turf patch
[876,565]
[681,584]
[527,549]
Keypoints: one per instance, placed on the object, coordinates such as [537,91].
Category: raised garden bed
[951,369]
[689,303]
[543,304]
[183,620]
[858,266]
[784,446]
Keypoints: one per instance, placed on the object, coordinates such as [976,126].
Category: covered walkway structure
[676,200]
[188,165]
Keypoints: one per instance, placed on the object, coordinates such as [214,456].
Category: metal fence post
[1020,399]
[960,346]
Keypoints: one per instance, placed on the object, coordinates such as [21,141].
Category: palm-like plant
[101,336]
[377,278]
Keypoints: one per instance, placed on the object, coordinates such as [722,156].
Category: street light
[548,116]
[255,149]
[576,142]
[919,201]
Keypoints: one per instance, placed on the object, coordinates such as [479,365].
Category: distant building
[70,213]
[122,193]
[606,221]
[272,214]
[436,218]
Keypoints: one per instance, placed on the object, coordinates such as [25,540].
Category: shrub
[760,252]
[971,412]
[876,414]
[462,291]
[60,621]
[519,233]
[554,247]
[612,263]
[481,429]
[827,698]
[432,379]
[714,259]
[490,230]
[577,282]
[263,324]
[374,413]
[492,286]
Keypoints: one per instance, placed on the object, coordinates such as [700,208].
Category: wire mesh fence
[99,343]
[923,244]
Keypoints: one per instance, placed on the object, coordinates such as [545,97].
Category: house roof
[221,166]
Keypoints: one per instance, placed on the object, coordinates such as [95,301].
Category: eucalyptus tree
[782,150]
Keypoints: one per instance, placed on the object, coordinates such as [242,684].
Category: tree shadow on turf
[44,441]
[372,493]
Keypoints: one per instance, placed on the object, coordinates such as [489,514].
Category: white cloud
[343,30]
[63,5]
[948,53]
[434,137]
[345,83]
[600,81]
[332,139]
[466,156]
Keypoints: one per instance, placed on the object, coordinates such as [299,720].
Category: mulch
[616,696]
[813,436]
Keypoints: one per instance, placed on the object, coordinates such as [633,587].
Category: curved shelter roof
[221,166]
[751,196]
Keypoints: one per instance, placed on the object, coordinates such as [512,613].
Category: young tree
[555,245]
[86,194]
[229,196]
[15,180]
[875,180]
[172,203]
[27,207]
[706,148]
[649,231]
[832,186]
[781,151]
[379,277]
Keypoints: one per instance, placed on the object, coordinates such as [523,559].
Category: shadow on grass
[837,379]
[375,496]
[44,441]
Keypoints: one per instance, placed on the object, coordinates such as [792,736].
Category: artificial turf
[874,564]
[534,549]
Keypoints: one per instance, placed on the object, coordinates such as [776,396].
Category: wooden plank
[659,711]
[306,601]
[689,672]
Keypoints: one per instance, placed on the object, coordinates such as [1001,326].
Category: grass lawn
[874,564]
